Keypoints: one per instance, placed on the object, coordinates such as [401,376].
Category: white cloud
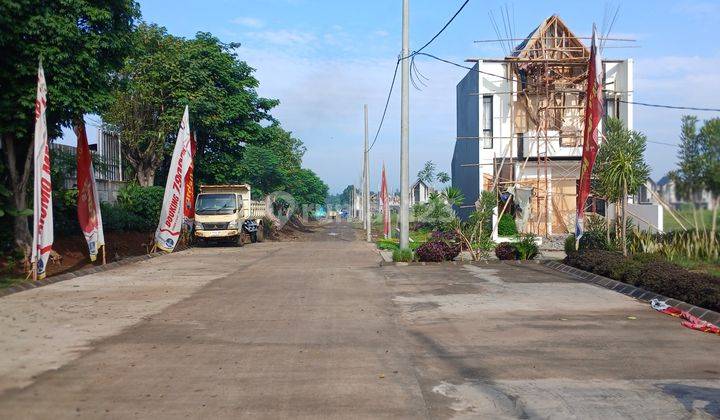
[249,22]
[283,37]
[381,33]
[321,102]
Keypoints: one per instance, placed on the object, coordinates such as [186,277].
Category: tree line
[101,58]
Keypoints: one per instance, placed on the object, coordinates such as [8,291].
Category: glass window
[215,204]
[488,121]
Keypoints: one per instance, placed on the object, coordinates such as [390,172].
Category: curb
[632,291]
[385,263]
[27,285]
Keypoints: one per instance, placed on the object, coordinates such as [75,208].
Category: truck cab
[227,213]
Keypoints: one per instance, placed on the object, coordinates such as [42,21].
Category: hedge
[138,209]
[653,273]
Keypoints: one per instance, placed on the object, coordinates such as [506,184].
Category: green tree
[260,167]
[306,187]
[443,177]
[162,75]
[688,178]
[709,139]
[427,173]
[620,167]
[82,44]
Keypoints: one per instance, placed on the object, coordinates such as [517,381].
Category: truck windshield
[215,204]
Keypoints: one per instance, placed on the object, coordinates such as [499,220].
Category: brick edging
[632,291]
[27,285]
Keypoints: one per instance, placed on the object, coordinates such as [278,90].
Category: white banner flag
[42,198]
[171,216]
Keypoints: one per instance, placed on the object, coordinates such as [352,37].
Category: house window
[488,121]
[520,145]
[612,107]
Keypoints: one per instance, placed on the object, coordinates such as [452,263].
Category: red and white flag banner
[189,207]
[593,115]
[88,203]
[385,204]
[42,197]
[173,209]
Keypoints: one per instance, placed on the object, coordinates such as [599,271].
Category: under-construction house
[520,126]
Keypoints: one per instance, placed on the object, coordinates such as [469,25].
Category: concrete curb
[385,263]
[632,291]
[27,285]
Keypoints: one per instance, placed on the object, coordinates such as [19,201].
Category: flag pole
[103,251]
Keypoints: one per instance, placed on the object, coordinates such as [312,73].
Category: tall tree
[306,187]
[427,173]
[163,74]
[688,178]
[710,152]
[443,177]
[620,167]
[81,44]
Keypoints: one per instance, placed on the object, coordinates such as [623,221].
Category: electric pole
[366,185]
[405,129]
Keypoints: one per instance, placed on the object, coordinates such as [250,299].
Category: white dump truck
[227,213]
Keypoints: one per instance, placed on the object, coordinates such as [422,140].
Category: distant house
[108,167]
[420,192]
[520,124]
[665,188]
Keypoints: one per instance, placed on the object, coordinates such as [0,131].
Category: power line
[443,28]
[387,103]
[397,64]
[688,108]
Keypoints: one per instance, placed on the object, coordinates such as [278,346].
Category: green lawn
[686,217]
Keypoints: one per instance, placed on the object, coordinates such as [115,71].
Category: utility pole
[405,129]
[366,174]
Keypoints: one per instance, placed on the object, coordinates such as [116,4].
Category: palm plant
[621,167]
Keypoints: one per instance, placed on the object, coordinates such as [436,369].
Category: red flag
[88,204]
[593,114]
[190,183]
[385,204]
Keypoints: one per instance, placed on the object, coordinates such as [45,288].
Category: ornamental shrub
[506,251]
[145,202]
[526,247]
[433,251]
[594,240]
[507,227]
[653,273]
[569,245]
[453,241]
[402,255]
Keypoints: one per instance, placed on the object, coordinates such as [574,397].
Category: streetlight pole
[405,129]
[366,186]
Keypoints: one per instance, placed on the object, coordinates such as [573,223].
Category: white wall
[649,217]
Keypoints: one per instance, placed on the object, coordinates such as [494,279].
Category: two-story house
[520,124]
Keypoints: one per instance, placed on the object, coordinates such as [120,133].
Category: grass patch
[9,281]
[699,266]
[686,217]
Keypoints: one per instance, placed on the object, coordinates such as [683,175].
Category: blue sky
[325,58]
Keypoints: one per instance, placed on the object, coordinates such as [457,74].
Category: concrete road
[315,329]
